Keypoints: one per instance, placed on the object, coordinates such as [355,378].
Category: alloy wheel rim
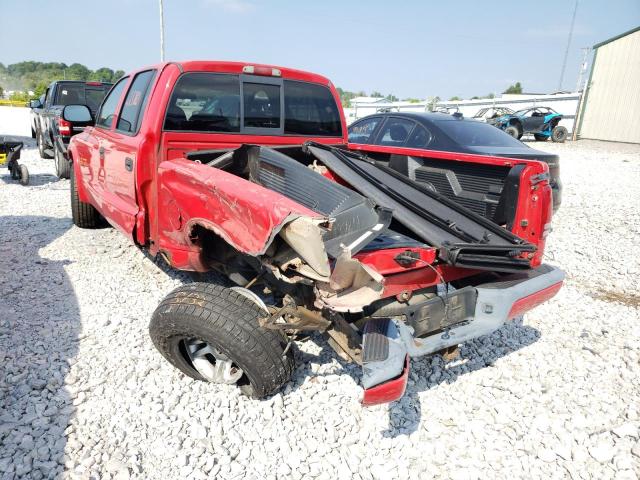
[213,365]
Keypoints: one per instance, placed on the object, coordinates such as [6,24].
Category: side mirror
[35,104]
[77,113]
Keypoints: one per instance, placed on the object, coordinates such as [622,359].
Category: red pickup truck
[245,169]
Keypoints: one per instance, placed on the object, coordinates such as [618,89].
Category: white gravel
[83,393]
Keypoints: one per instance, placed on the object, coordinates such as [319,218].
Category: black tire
[15,172]
[63,165]
[84,215]
[228,321]
[540,138]
[24,175]
[559,134]
[513,131]
[41,149]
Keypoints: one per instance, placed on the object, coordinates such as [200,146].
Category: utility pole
[583,68]
[161,32]
[566,52]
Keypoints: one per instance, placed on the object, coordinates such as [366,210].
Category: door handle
[128,164]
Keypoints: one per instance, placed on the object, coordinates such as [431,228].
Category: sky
[407,48]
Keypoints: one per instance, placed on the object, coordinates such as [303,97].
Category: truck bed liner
[464,238]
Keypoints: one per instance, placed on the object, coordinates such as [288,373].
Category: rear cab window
[228,103]
[90,94]
[310,109]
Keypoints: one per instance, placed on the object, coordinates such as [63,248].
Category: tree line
[36,76]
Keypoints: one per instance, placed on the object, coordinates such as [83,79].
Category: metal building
[611,104]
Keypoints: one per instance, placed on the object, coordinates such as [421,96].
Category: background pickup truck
[243,169]
[51,131]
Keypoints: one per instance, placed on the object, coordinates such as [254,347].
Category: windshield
[470,133]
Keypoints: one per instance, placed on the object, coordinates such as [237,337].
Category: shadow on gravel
[35,180]
[39,328]
[405,415]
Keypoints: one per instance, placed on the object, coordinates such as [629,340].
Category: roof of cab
[236,67]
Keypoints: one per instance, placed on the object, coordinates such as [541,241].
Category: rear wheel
[84,215]
[41,147]
[540,138]
[559,134]
[211,333]
[513,131]
[24,175]
[62,164]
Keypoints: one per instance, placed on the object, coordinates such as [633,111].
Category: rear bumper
[495,304]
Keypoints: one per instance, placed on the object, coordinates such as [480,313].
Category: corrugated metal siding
[612,106]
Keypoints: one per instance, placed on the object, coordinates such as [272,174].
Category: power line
[566,52]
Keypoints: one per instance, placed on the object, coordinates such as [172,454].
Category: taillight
[64,127]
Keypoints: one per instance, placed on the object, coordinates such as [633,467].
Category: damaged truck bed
[254,181]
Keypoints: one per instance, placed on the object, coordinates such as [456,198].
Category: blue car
[541,122]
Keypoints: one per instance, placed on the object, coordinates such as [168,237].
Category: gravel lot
[83,393]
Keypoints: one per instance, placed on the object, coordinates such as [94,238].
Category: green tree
[1,91]
[392,98]
[39,89]
[515,88]
[454,98]
[377,95]
[77,72]
[102,75]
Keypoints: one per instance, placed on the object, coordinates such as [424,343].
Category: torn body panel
[245,215]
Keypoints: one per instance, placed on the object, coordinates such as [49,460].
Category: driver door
[533,121]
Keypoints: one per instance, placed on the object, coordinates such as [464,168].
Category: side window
[420,138]
[395,132]
[204,102]
[134,102]
[47,97]
[361,131]
[108,109]
[261,105]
